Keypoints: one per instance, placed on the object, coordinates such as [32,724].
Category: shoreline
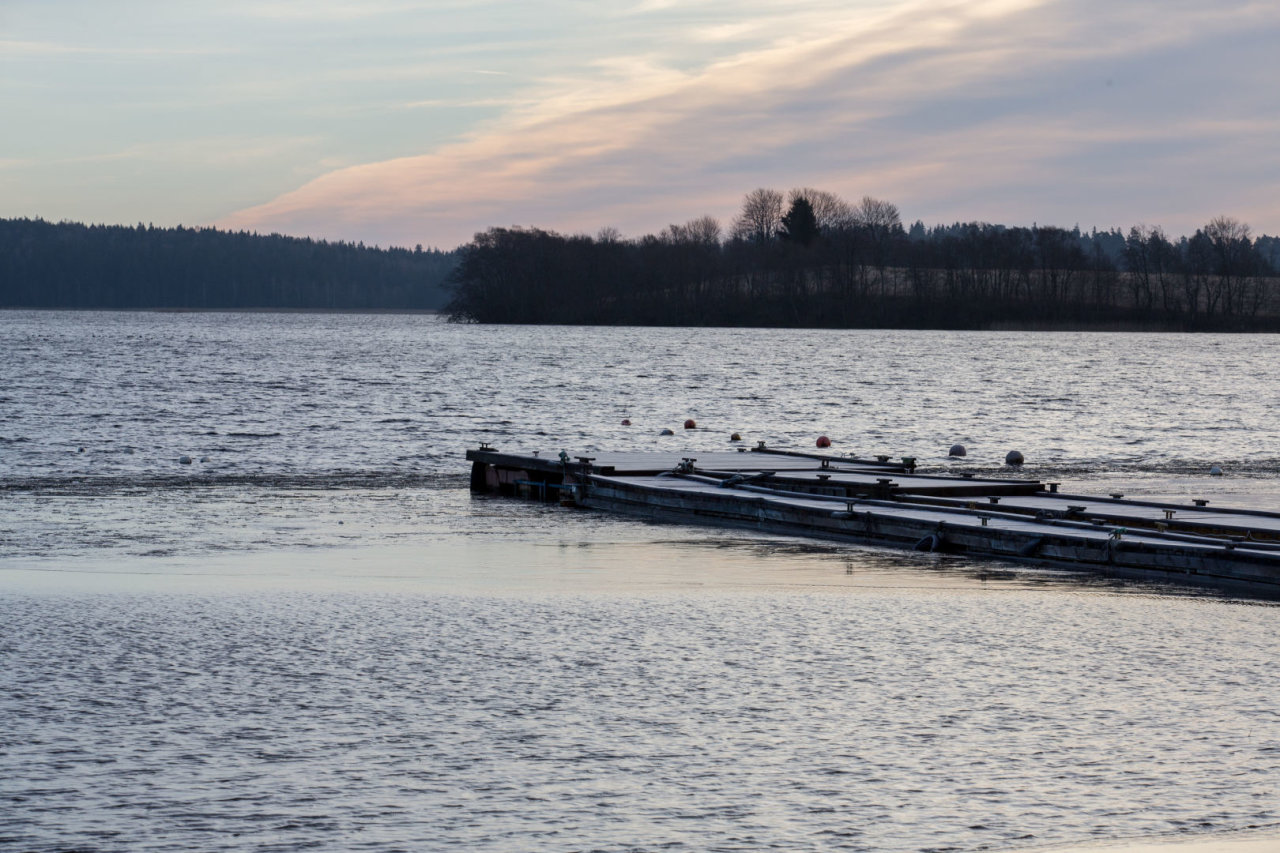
[79,309]
[999,327]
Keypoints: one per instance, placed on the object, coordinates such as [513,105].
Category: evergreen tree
[799,225]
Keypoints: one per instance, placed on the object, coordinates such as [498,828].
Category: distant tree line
[68,265]
[811,259]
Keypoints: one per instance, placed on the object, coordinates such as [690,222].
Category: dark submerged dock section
[885,503]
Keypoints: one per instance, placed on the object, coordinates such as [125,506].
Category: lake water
[313,637]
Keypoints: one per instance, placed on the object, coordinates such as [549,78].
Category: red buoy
[626,421]
[823,441]
[690,424]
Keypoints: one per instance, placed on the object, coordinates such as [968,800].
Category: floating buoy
[735,437]
[957,450]
[691,424]
[1215,471]
[1013,457]
[666,432]
[626,421]
[823,441]
[184,460]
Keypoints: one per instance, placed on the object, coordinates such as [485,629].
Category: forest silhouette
[811,259]
[68,265]
[807,258]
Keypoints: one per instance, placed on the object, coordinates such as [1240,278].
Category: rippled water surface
[288,394]
[313,637]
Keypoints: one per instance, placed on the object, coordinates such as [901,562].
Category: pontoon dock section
[886,503]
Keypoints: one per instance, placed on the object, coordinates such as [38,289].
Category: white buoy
[1215,471]
[666,432]
[957,450]
[1013,457]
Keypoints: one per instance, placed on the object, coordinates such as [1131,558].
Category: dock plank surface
[877,503]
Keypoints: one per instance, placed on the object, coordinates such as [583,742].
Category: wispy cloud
[1009,110]
[435,103]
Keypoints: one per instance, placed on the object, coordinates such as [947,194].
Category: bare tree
[1197,273]
[1233,255]
[877,215]
[1150,259]
[1224,230]
[760,217]
[1060,258]
[705,231]
[1139,263]
[1164,263]
[881,222]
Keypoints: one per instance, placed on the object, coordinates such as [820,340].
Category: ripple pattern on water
[252,674]
[93,394]
[875,722]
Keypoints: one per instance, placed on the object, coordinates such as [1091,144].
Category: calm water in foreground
[313,637]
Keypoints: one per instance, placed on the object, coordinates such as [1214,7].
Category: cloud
[1004,110]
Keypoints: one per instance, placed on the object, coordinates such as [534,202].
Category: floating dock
[882,502]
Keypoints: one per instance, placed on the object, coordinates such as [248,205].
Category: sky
[402,123]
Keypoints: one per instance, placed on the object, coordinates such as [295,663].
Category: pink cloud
[1006,111]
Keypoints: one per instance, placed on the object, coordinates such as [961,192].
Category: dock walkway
[885,503]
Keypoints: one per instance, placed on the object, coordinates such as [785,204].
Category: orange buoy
[626,421]
[823,441]
[691,424]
